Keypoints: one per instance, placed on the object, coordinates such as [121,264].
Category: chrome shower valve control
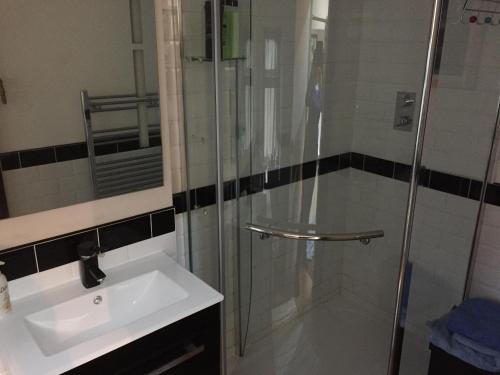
[405,121]
[405,110]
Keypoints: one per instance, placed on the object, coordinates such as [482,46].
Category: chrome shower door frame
[219,141]
[396,339]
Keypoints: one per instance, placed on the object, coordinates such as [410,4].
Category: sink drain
[97,300]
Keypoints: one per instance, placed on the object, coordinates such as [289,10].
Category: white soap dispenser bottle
[5,305]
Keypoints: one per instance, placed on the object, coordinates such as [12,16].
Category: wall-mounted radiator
[118,163]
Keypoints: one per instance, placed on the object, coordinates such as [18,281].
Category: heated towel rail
[117,170]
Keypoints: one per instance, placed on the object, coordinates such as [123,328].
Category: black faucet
[90,273]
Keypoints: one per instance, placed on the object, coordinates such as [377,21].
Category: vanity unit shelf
[189,346]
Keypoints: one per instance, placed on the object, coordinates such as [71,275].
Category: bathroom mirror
[79,102]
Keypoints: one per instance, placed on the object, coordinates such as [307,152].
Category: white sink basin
[81,319]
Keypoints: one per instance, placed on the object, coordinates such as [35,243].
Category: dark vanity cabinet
[189,346]
[442,363]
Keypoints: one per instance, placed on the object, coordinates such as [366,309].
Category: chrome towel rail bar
[267,231]
[125,171]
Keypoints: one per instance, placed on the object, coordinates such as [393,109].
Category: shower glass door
[320,138]
[316,112]
[463,110]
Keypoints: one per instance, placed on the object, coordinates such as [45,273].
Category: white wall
[486,281]
[50,51]
[48,186]
[390,57]
[464,99]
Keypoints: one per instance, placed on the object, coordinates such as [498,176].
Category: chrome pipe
[104,170]
[136,21]
[267,231]
[131,176]
[480,211]
[142,99]
[140,86]
[97,109]
[127,130]
[87,125]
[218,85]
[185,132]
[130,158]
[139,69]
[100,97]
[128,189]
[393,367]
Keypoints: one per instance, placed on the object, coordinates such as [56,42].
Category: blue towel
[472,354]
[474,345]
[479,320]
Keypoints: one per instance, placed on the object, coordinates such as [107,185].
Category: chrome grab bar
[267,231]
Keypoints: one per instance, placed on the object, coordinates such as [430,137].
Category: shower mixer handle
[408,101]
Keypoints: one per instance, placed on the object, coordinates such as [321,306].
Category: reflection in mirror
[80,118]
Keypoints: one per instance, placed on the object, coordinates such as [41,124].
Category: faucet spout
[97,274]
[90,273]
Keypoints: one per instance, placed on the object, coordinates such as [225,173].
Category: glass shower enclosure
[333,191]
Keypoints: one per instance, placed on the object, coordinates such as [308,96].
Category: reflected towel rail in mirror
[266,232]
[123,164]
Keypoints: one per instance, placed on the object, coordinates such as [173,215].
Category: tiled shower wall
[458,137]
[383,46]
[486,278]
[462,113]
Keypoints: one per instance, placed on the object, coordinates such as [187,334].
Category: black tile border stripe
[66,152]
[436,180]
[163,220]
[445,182]
[57,251]
[41,156]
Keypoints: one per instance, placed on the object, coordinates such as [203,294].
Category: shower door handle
[268,231]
